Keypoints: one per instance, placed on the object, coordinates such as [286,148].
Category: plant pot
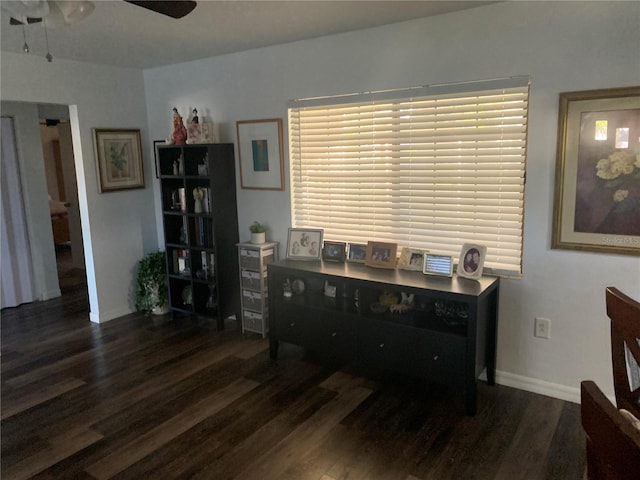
[160,310]
[258,237]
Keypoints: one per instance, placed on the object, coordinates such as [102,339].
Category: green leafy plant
[257,227]
[151,282]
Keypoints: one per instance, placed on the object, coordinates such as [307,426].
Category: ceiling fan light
[74,11]
[21,10]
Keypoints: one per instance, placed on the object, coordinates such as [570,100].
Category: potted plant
[257,232]
[151,285]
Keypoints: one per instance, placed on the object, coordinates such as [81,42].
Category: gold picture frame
[118,159]
[260,154]
[597,187]
[381,254]
[411,259]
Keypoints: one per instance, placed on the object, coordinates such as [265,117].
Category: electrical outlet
[542,327]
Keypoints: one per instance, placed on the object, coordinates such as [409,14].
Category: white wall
[563,46]
[118,228]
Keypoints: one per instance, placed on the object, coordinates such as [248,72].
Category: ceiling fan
[61,12]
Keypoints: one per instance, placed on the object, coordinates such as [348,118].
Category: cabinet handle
[381,345]
[435,357]
[292,324]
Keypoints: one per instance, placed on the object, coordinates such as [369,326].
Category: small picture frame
[412,259]
[304,243]
[334,251]
[471,261]
[380,254]
[357,253]
[438,264]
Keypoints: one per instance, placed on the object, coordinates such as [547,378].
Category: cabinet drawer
[300,330]
[438,357]
[423,353]
[336,336]
[253,300]
[249,258]
[254,321]
[253,280]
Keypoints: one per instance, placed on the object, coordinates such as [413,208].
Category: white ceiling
[118,33]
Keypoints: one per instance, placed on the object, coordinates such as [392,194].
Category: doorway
[57,150]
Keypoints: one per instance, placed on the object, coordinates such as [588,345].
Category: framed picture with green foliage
[118,159]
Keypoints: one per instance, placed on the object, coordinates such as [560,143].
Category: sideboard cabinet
[200,224]
[447,334]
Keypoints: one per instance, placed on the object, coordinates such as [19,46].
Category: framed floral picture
[304,243]
[597,190]
[118,159]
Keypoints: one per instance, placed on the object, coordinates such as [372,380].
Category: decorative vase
[258,237]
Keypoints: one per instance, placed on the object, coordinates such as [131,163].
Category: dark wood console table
[448,336]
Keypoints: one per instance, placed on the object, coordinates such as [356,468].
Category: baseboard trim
[112,315]
[49,294]
[541,387]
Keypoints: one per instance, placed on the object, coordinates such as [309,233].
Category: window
[429,167]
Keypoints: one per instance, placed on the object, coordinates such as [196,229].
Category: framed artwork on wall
[597,188]
[260,154]
[118,159]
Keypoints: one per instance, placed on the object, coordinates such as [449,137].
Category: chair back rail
[624,313]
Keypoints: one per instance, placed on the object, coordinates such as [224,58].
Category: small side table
[253,261]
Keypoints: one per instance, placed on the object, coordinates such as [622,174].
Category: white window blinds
[432,168]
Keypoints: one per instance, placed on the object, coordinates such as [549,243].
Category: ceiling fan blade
[14,21]
[173,9]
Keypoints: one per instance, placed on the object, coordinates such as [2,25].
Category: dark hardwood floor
[150,397]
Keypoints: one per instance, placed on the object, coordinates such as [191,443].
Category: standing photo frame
[118,159]
[357,252]
[471,261]
[597,187]
[381,254]
[156,156]
[260,154]
[334,251]
[304,243]
[412,259]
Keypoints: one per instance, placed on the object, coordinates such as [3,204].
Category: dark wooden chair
[613,443]
[624,313]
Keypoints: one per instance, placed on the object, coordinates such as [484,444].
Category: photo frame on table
[304,243]
[471,261]
[156,155]
[412,259]
[260,154]
[118,159]
[438,264]
[357,252]
[334,251]
[597,186]
[381,254]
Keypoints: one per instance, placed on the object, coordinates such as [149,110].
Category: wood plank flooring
[152,397]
